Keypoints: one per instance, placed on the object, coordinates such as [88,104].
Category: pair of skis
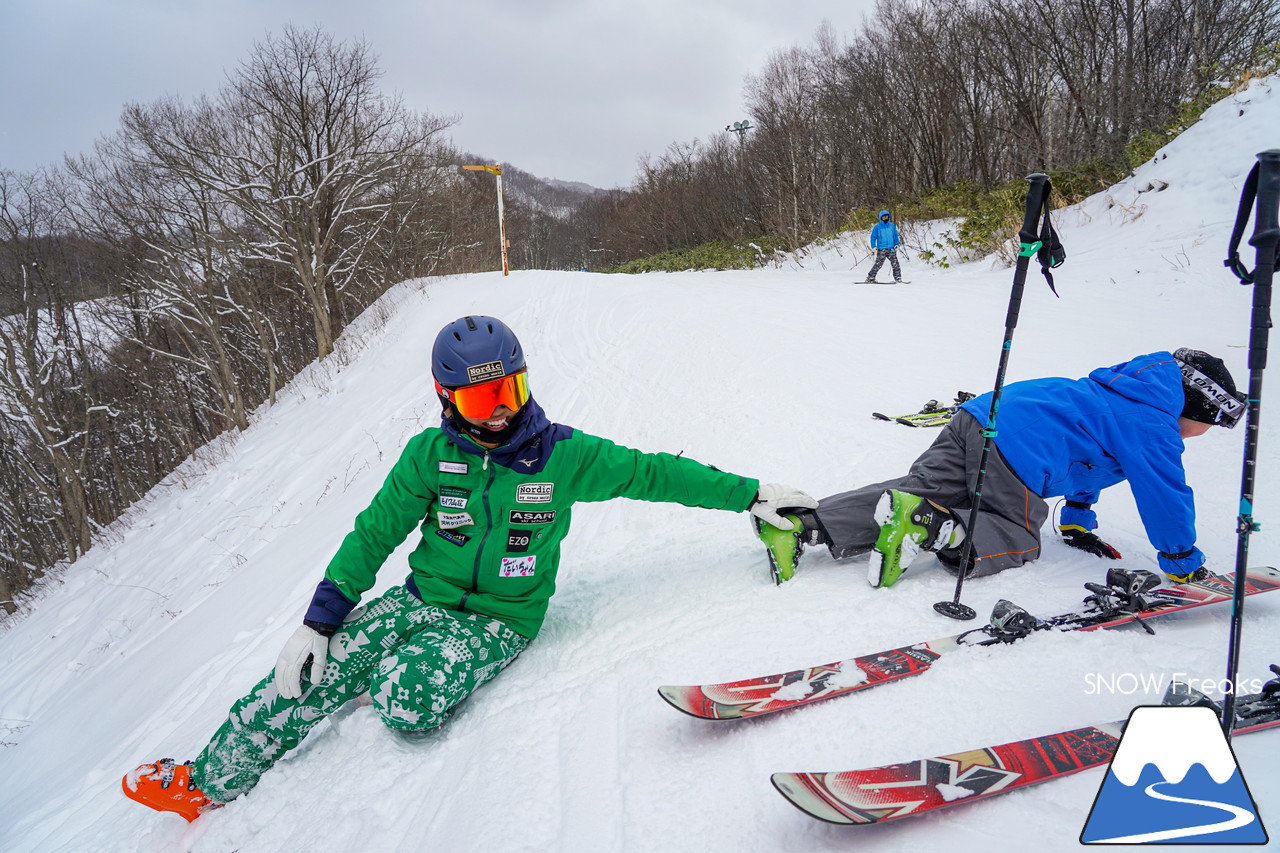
[894,791]
[931,414]
[1127,597]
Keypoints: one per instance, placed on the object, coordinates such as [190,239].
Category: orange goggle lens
[479,401]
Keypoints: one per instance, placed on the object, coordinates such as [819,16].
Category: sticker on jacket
[518,540]
[458,539]
[531,516]
[450,520]
[453,467]
[534,493]
[517,567]
[451,497]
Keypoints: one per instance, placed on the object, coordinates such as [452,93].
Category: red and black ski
[752,697]
[895,791]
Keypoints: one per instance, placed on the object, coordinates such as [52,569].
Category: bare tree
[311,157]
[43,420]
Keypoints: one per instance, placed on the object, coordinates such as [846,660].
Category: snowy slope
[772,373]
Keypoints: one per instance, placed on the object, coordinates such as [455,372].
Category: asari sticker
[517,567]
[531,516]
[450,520]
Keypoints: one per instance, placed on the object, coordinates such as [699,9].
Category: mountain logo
[1174,779]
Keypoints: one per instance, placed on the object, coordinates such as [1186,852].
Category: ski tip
[673,695]
[685,699]
[880,417]
[800,789]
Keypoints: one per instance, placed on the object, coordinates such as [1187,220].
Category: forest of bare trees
[160,288]
[157,290]
[931,93]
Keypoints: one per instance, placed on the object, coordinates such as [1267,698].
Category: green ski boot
[908,525]
[784,547]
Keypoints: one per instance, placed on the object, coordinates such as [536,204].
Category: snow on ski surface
[772,373]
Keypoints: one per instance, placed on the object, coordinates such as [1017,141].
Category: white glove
[306,644]
[775,496]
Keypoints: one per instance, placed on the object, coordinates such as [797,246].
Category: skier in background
[884,240]
[1057,438]
[491,490]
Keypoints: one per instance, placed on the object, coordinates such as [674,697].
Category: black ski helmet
[1208,389]
[475,349]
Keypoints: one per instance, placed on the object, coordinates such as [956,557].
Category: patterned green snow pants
[417,661]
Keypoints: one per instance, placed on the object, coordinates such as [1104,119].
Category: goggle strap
[1228,405]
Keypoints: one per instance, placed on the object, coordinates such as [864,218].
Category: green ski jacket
[490,535]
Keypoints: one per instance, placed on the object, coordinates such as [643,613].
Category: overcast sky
[569,89]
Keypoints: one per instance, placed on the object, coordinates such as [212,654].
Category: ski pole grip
[1266,235]
[1037,197]
[1266,228]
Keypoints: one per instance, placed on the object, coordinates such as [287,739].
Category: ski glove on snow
[1077,537]
[307,646]
[773,497]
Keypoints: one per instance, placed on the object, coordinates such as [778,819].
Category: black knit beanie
[1209,391]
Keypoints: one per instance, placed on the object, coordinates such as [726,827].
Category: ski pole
[1037,201]
[1263,184]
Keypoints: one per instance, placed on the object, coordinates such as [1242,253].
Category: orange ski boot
[167,787]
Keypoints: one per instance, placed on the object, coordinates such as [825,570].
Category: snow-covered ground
[141,647]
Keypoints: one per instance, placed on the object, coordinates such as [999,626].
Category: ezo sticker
[517,567]
[518,540]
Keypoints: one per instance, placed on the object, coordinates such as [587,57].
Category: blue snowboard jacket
[884,235]
[1075,437]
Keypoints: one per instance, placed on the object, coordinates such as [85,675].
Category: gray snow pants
[1007,532]
[882,255]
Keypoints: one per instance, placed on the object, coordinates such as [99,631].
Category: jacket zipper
[484,501]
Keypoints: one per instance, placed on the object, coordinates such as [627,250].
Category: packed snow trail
[139,649]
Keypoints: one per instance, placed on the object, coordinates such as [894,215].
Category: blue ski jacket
[884,235]
[1075,437]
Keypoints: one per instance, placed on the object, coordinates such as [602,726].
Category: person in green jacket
[491,491]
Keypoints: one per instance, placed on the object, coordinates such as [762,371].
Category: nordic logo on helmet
[1218,405]
[477,373]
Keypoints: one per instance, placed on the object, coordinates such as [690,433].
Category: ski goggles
[479,400]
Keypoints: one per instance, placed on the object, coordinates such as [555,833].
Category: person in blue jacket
[1068,438]
[884,240]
